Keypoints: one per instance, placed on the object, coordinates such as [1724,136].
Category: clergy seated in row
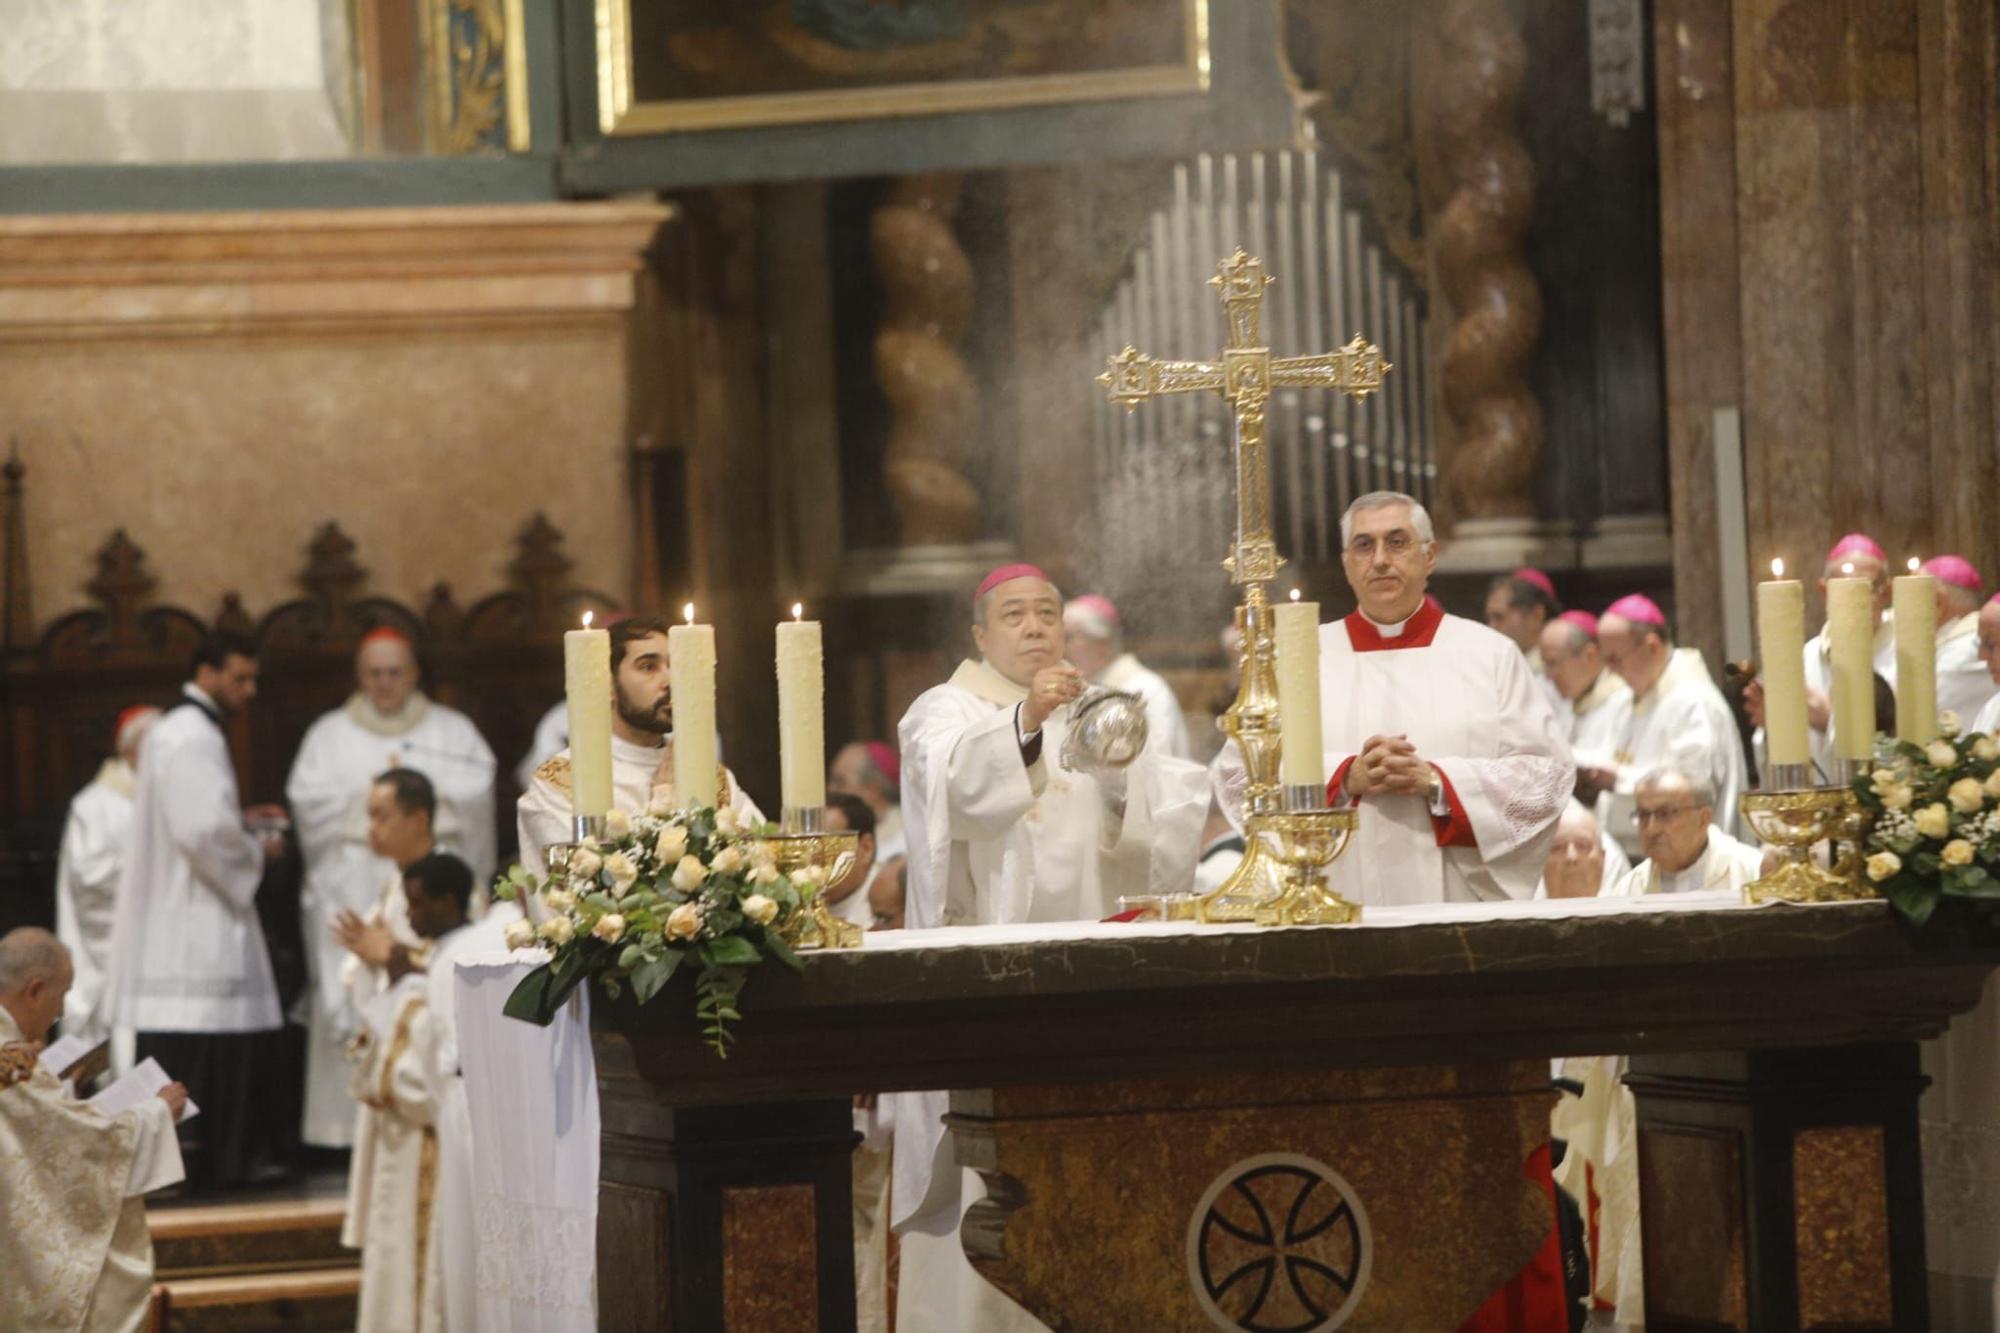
[1521,605]
[1963,683]
[851,897]
[1592,700]
[1686,850]
[1677,719]
[387,723]
[189,972]
[873,771]
[397,1214]
[74,1250]
[1583,860]
[642,747]
[1987,720]
[1001,833]
[1095,635]
[96,835]
[1434,725]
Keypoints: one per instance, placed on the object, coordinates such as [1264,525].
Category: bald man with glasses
[1685,851]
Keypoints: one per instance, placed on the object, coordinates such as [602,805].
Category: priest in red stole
[1433,725]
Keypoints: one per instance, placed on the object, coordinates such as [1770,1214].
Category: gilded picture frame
[625,112]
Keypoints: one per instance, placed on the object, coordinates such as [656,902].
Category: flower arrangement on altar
[663,890]
[1935,820]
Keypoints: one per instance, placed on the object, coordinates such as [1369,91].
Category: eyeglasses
[1396,544]
[1665,812]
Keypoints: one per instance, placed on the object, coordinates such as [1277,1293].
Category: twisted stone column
[1483,194]
[928,289]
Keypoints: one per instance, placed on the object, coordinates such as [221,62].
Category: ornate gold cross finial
[1245,376]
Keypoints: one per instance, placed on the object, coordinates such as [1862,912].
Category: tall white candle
[1302,756]
[801,713]
[1850,632]
[1916,656]
[1781,638]
[587,688]
[691,667]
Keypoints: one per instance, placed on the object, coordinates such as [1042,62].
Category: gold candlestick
[1796,821]
[1282,878]
[804,842]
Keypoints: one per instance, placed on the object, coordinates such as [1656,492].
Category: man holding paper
[1434,725]
[74,1250]
[642,748]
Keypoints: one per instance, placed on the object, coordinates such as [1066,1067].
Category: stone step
[229,1239]
[323,1299]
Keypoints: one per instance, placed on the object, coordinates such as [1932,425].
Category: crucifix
[1281,880]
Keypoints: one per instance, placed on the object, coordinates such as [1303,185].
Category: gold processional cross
[1291,838]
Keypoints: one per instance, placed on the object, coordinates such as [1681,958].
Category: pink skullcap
[136,713]
[385,634]
[610,619]
[1098,605]
[1955,570]
[887,762]
[1857,543]
[1007,573]
[1534,578]
[1581,620]
[1639,609]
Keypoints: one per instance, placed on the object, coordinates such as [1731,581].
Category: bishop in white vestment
[387,723]
[1001,833]
[1095,641]
[1521,605]
[74,1249]
[1678,719]
[1434,725]
[1855,555]
[873,771]
[190,973]
[1592,699]
[1685,851]
[1963,683]
[96,835]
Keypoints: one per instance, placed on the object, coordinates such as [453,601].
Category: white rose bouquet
[1934,814]
[660,891]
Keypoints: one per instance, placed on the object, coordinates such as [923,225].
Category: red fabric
[1130,914]
[887,762]
[1535,1301]
[131,715]
[1098,603]
[1639,609]
[1535,578]
[1418,631]
[1583,620]
[384,634]
[1454,829]
[1857,543]
[1336,786]
[1006,572]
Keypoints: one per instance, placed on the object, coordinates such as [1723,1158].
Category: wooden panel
[1691,1202]
[641,1222]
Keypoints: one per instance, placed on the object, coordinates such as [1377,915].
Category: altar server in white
[1685,851]
[642,749]
[1001,833]
[1592,698]
[1678,719]
[1434,725]
[74,1250]
[1096,647]
[96,836]
[387,723]
[189,969]
[1963,684]
[396,1214]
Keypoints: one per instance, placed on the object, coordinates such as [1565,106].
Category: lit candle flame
[798,610]
[1916,565]
[586,619]
[1848,569]
[1295,594]
[688,611]
[1777,569]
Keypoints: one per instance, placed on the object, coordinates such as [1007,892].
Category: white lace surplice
[530,1094]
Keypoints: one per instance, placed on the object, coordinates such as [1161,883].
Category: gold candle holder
[805,841]
[1295,848]
[1796,821]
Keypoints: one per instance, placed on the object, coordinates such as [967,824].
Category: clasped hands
[1390,766]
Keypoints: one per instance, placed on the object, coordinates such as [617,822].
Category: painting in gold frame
[666,66]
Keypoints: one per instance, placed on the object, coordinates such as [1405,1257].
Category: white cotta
[1471,707]
[74,1249]
[188,950]
[343,753]
[530,1101]
[96,835]
[1166,723]
[1725,863]
[545,815]
[1596,720]
[1964,685]
[551,739]
[1683,722]
[994,841]
[1602,1162]
[1987,719]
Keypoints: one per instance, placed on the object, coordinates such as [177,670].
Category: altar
[1124,1089]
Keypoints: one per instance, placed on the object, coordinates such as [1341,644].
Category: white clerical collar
[1394,631]
[626,752]
[202,697]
